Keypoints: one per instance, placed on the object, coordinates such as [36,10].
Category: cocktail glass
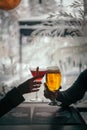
[40,72]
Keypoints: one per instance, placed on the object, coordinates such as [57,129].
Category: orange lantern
[9,4]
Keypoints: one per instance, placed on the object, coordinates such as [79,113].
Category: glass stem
[36,95]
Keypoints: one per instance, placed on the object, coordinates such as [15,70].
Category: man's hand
[49,94]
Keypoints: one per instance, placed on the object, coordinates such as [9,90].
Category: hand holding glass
[38,72]
[53,80]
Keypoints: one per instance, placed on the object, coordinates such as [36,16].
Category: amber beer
[53,78]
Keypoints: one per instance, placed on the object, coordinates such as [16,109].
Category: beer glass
[53,80]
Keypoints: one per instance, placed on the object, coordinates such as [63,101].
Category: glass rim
[53,68]
[40,68]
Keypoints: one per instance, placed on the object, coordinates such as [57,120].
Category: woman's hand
[31,85]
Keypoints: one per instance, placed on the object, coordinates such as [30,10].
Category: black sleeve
[75,92]
[11,100]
